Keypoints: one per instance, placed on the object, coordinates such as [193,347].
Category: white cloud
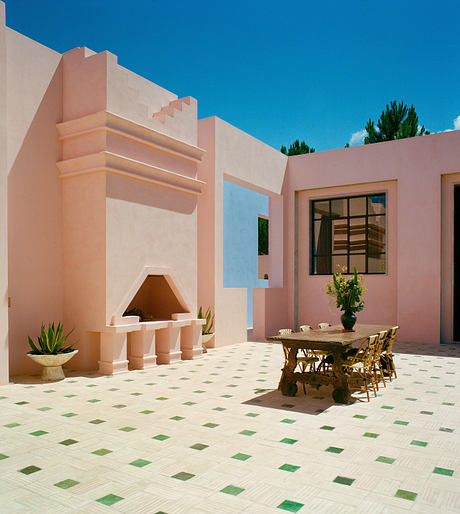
[357,138]
[457,123]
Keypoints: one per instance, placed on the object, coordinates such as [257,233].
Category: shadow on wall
[34,230]
[136,192]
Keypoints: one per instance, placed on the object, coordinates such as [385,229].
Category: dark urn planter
[348,320]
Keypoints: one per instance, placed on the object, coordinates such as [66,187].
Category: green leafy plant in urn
[52,351]
[348,295]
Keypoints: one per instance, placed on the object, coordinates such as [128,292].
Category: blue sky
[278,70]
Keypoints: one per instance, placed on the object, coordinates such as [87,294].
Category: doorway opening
[456,310]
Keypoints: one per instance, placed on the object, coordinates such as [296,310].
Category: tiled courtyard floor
[215,435]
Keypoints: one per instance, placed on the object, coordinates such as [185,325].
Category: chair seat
[354,365]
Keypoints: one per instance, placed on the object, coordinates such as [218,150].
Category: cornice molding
[118,164]
[115,124]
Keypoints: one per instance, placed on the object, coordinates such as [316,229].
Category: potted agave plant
[206,329]
[348,295]
[51,351]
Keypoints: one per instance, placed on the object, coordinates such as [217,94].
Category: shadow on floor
[435,350]
[315,402]
[69,375]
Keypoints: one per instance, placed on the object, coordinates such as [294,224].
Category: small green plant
[51,341]
[134,311]
[209,317]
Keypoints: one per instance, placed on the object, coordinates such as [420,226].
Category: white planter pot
[208,340]
[52,364]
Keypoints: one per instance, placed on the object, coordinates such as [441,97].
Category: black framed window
[349,231]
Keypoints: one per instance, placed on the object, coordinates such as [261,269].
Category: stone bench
[142,345]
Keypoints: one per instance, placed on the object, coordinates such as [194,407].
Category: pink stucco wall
[35,272]
[410,170]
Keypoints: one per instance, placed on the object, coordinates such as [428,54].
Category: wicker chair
[378,359]
[305,362]
[362,364]
[386,357]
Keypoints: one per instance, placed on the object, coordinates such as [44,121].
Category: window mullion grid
[348,234]
[366,259]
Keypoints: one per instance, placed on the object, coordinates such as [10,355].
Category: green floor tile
[210,425]
[406,495]
[69,415]
[109,499]
[399,422]
[22,403]
[232,490]
[290,506]
[219,409]
[289,421]
[183,476]
[429,413]
[241,456]
[371,435]
[66,484]
[359,416]
[287,440]
[161,437]
[443,471]
[333,449]
[38,433]
[3,456]
[386,460]
[199,446]
[177,418]
[68,442]
[12,425]
[162,398]
[29,470]
[126,429]
[343,480]
[444,429]
[140,463]
[147,411]
[418,443]
[252,414]
[327,427]
[96,421]
[44,409]
[94,400]
[247,432]
[289,467]
[101,452]
[119,406]
[388,407]
[189,403]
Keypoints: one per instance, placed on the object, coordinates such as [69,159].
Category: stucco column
[113,353]
[4,369]
[190,343]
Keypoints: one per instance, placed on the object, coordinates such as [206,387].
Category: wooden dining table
[327,341]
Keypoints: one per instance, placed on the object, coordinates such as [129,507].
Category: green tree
[397,121]
[263,236]
[297,148]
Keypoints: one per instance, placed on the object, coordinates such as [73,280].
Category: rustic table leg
[287,386]
[341,393]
